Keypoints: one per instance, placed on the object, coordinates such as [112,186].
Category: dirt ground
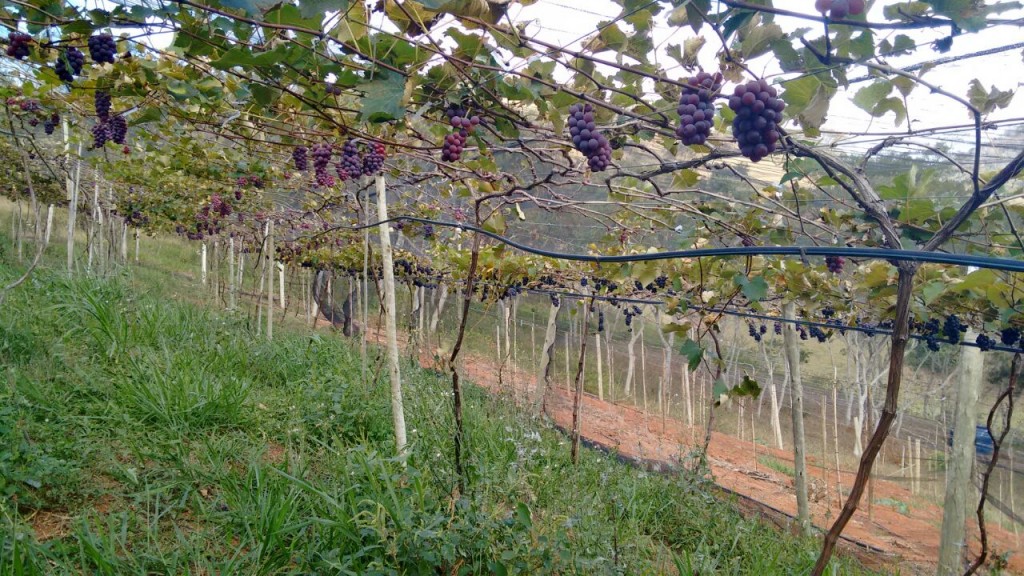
[887,538]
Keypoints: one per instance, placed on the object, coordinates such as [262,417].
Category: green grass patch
[171,440]
[776,464]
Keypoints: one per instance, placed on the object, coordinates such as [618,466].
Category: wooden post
[281,274]
[792,346]
[597,358]
[269,266]
[568,384]
[72,191]
[917,465]
[390,319]
[202,263]
[961,486]
[546,359]
[231,270]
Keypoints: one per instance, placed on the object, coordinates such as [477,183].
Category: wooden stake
[390,318]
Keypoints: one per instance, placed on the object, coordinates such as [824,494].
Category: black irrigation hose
[840,327]
[1006,264]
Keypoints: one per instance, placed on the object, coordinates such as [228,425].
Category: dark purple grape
[102,48]
[18,45]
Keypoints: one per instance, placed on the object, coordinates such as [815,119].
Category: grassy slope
[149,435]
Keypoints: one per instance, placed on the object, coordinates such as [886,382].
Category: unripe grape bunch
[587,138]
[69,64]
[462,126]
[18,45]
[758,113]
[839,9]
[102,48]
[696,107]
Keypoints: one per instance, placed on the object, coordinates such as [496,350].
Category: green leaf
[748,387]
[753,289]
[693,352]
[868,97]
[523,517]
[384,98]
[719,391]
[312,8]
[809,97]
[759,39]
[685,179]
[988,101]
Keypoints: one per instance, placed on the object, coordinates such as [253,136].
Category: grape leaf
[693,352]
[312,8]
[988,101]
[384,98]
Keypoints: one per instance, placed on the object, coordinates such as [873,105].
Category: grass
[776,464]
[144,434]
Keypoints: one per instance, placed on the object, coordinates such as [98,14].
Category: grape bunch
[839,9]
[351,161]
[51,123]
[462,126]
[587,138]
[102,48]
[300,159]
[1010,336]
[697,108]
[102,102]
[100,134]
[984,342]
[374,158]
[118,129]
[332,89]
[321,160]
[69,64]
[18,45]
[952,328]
[834,264]
[758,113]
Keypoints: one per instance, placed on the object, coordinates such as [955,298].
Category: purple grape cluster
[321,160]
[351,161]
[18,45]
[374,158]
[697,108]
[462,126]
[51,123]
[587,138]
[758,113]
[332,89]
[102,48]
[835,264]
[118,129]
[102,103]
[300,159]
[100,134]
[69,64]
[839,9]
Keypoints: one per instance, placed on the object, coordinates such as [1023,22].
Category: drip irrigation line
[871,331]
[1005,264]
